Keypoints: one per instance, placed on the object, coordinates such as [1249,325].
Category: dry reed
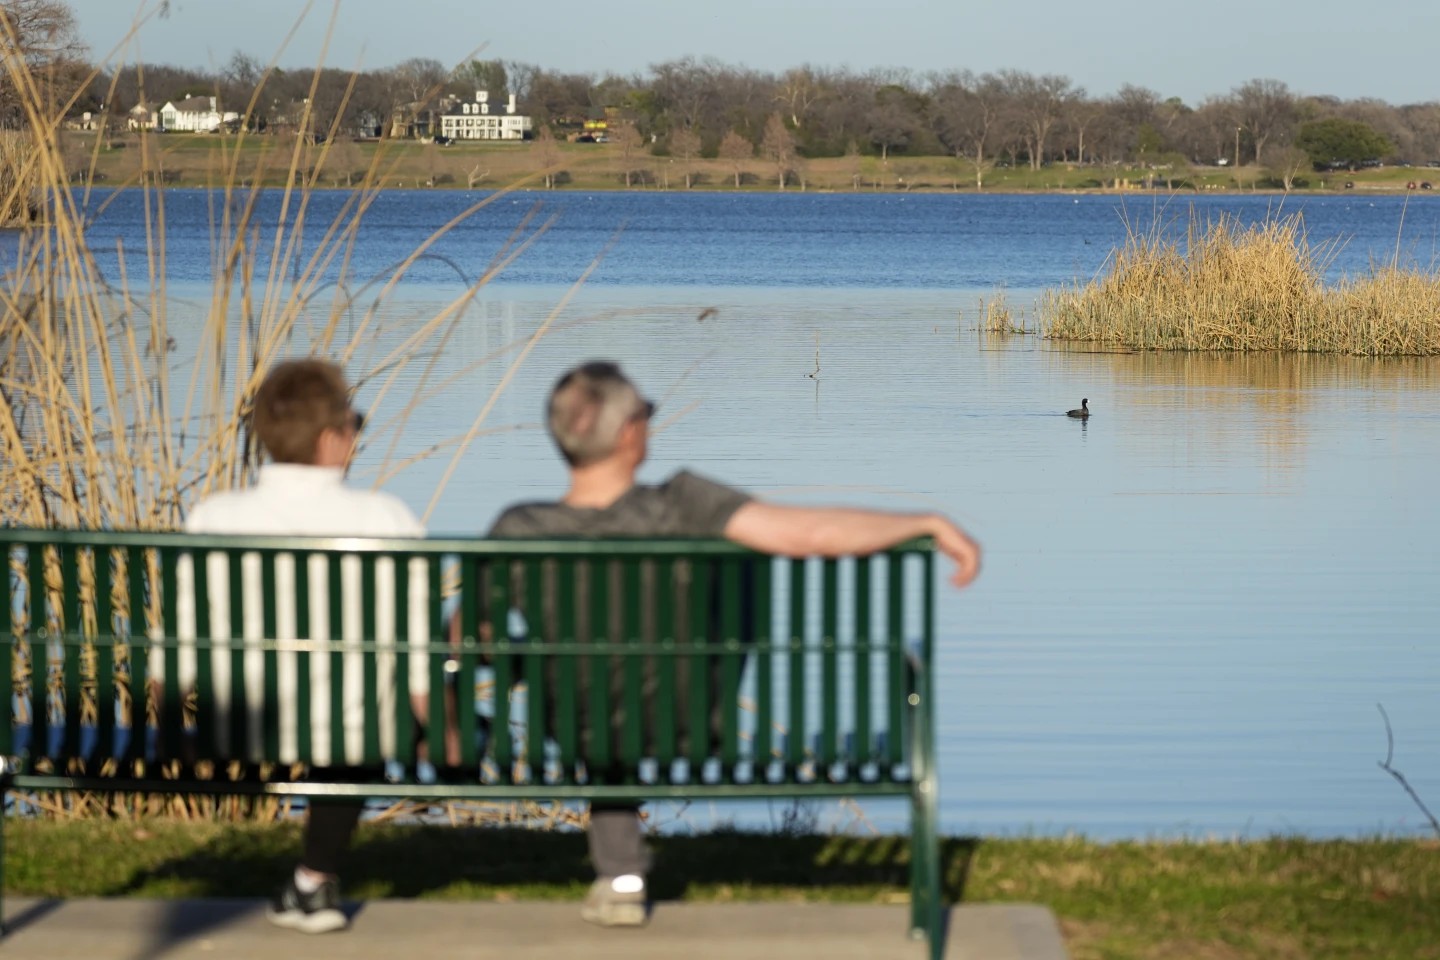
[997,316]
[102,426]
[1236,287]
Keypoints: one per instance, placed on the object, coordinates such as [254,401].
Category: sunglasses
[357,420]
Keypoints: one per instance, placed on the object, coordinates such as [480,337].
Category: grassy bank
[196,160]
[1264,899]
[1227,286]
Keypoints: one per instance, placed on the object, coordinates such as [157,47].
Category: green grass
[1273,898]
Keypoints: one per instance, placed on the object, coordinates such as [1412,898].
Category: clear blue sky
[1379,48]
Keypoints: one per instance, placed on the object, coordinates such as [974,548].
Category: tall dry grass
[103,425]
[1228,286]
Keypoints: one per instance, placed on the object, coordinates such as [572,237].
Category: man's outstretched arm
[839,531]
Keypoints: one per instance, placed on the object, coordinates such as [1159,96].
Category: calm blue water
[1191,604]
[924,241]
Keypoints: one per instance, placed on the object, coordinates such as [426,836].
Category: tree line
[694,107]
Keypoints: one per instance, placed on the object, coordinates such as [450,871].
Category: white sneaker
[616,902]
[317,912]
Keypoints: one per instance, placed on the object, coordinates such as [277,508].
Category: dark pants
[617,847]
[328,829]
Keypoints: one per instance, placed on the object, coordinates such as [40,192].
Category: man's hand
[955,544]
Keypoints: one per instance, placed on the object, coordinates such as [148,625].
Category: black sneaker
[317,912]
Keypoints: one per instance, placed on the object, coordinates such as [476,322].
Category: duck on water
[1083,413]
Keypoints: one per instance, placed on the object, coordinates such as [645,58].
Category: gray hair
[589,407]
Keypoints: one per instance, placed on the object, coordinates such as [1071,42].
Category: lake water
[1191,604]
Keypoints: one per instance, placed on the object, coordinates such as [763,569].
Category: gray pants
[617,847]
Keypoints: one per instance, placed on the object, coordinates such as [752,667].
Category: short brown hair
[588,407]
[299,400]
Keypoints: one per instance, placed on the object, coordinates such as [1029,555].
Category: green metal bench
[633,670]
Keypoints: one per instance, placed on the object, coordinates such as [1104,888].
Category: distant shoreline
[202,161]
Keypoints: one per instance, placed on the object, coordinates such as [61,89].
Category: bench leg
[4,793]
[926,908]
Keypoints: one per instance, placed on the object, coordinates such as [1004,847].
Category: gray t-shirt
[686,505]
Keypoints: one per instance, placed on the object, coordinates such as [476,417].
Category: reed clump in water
[1229,286]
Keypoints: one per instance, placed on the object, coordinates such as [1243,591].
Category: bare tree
[685,93]
[1041,103]
[628,142]
[521,78]
[893,120]
[685,145]
[238,82]
[966,111]
[44,35]
[778,147]
[1286,163]
[798,91]
[547,154]
[487,75]
[1266,109]
[837,118]
[342,161]
[1084,115]
[736,150]
[414,85]
[1423,120]
[1209,132]
[556,97]
[419,78]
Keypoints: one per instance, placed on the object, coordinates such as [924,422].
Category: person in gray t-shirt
[600,423]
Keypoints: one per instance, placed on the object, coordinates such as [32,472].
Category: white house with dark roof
[482,120]
[195,115]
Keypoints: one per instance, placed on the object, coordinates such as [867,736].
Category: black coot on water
[1081,414]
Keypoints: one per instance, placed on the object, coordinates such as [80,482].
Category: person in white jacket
[304,422]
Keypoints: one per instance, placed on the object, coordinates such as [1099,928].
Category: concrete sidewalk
[128,929]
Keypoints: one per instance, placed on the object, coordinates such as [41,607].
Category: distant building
[475,120]
[141,117]
[195,115]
